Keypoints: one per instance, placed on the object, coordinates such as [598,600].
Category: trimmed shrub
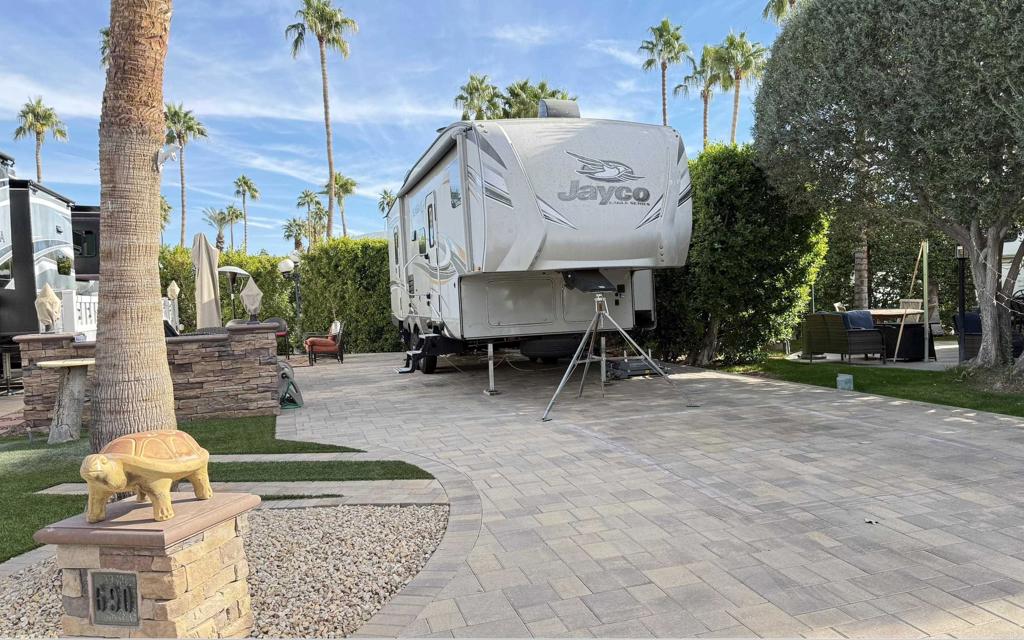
[348,280]
[752,258]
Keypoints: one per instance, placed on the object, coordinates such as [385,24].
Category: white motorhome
[500,221]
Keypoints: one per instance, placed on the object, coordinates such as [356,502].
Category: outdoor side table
[67,413]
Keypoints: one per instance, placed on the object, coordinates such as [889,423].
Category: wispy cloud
[620,50]
[527,35]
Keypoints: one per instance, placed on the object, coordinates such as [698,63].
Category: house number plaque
[114,598]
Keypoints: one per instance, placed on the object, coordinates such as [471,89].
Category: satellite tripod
[589,338]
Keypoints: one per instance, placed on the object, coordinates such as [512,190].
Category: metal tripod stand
[590,337]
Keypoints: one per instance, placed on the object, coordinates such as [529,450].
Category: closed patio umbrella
[204,259]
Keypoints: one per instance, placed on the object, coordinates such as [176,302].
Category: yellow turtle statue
[148,463]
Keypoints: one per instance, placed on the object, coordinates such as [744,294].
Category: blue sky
[230,63]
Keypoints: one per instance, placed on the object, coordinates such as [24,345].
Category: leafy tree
[343,186]
[329,25]
[245,189]
[744,61]
[752,256]
[666,47]
[779,10]
[521,99]
[133,390]
[479,99]
[35,119]
[927,120]
[704,78]
[182,127]
[295,230]
[234,215]
[105,47]
[218,219]
[386,200]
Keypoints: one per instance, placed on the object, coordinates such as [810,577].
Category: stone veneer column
[191,571]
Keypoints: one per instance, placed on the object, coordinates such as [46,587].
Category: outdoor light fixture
[288,268]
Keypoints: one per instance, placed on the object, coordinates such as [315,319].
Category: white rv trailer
[499,221]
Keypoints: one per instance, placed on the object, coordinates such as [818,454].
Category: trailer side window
[396,246]
[430,225]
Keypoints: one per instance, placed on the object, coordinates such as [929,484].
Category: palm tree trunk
[245,226]
[707,105]
[181,179]
[736,108]
[298,243]
[330,144]
[39,158]
[664,97]
[133,386]
[231,230]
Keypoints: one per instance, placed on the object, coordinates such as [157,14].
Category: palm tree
[35,119]
[317,226]
[246,188]
[343,186]
[703,78]
[329,26]
[105,47]
[182,126]
[521,99]
[666,47]
[233,214]
[309,200]
[744,61]
[386,200]
[295,229]
[218,219]
[165,216]
[478,98]
[779,10]
[133,390]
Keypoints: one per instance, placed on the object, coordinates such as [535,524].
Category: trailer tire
[428,364]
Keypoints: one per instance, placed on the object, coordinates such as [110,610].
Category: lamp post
[961,260]
[289,269]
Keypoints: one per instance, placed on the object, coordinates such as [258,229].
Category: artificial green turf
[27,467]
[300,471]
[951,387]
[249,435]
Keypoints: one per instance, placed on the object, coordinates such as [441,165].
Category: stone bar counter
[228,375]
[131,576]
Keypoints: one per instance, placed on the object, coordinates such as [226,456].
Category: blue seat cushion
[860,319]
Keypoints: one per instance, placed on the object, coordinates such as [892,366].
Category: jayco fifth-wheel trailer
[499,222]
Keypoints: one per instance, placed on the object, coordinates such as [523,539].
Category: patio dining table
[892,315]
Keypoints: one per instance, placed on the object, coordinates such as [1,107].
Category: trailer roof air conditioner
[551,108]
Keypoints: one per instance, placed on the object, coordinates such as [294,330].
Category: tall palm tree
[133,390]
[182,126]
[703,78]
[521,99]
[105,47]
[478,98]
[328,25]
[246,188]
[744,61]
[35,119]
[386,200]
[666,47]
[233,214]
[295,229]
[343,186]
[218,219]
[317,226]
[779,10]
[309,199]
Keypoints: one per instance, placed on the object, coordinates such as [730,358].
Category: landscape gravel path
[315,572]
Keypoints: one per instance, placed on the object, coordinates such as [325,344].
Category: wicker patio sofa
[848,334]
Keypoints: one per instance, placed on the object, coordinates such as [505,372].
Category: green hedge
[348,280]
[752,257]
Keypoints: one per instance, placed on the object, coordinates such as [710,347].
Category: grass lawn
[952,387]
[29,467]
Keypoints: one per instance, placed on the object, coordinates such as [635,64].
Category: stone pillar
[130,576]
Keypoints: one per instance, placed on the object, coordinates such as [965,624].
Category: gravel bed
[314,572]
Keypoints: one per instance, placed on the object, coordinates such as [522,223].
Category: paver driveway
[635,515]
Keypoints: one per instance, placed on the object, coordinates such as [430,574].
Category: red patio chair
[331,344]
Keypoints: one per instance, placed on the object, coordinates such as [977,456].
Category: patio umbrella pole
[589,336]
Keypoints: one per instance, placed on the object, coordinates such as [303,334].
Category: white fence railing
[79,313]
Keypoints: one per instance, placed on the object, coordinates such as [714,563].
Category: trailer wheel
[429,364]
